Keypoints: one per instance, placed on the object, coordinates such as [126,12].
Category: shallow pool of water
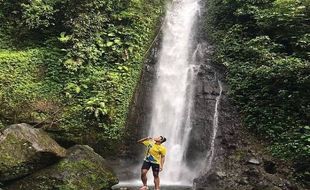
[163,187]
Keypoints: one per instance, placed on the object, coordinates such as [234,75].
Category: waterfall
[172,96]
[210,154]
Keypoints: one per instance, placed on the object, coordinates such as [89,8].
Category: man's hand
[144,139]
[161,169]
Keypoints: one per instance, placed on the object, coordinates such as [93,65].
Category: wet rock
[252,172]
[213,178]
[229,145]
[81,169]
[253,161]
[220,174]
[270,167]
[212,90]
[210,181]
[243,181]
[232,146]
[205,181]
[24,149]
[264,186]
[201,188]
[291,186]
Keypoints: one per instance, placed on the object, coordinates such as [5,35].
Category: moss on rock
[24,149]
[81,169]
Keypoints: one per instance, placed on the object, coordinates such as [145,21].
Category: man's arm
[162,161]
[144,139]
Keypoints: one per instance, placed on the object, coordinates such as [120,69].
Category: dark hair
[163,139]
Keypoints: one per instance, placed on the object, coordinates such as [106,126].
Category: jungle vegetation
[72,66]
[265,46]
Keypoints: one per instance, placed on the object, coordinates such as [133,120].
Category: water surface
[164,187]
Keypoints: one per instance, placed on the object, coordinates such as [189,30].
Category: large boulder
[81,169]
[24,149]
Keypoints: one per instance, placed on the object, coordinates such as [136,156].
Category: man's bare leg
[143,176]
[156,182]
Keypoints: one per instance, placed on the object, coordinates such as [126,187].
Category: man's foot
[144,188]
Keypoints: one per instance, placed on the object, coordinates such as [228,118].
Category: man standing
[154,157]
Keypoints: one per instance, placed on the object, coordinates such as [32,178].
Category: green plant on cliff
[81,58]
[265,46]
[1,125]
[24,95]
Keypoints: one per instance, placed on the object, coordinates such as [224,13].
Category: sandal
[144,188]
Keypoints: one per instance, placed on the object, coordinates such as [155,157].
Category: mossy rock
[81,169]
[24,149]
[1,125]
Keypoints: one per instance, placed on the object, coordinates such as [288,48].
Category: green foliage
[264,44]
[22,84]
[1,125]
[38,14]
[105,45]
[97,107]
[100,47]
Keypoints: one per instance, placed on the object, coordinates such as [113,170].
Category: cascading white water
[210,154]
[173,89]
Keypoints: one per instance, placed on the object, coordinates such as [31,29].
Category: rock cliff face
[206,90]
[140,110]
[130,154]
[240,161]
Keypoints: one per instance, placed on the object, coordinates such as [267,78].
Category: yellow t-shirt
[154,151]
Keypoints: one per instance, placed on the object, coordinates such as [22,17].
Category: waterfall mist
[172,95]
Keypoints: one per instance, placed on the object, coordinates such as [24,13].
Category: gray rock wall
[141,106]
[206,91]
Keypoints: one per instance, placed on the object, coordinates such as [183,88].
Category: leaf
[97,112]
[118,42]
[63,38]
[77,89]
[102,104]
[130,49]
[85,86]
[109,44]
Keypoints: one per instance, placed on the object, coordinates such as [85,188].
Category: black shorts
[155,167]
